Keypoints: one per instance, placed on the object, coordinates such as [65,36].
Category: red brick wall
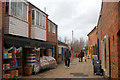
[29,20]
[118,40]
[51,37]
[99,36]
[92,39]
[108,25]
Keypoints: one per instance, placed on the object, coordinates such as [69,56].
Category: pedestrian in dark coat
[67,58]
[82,55]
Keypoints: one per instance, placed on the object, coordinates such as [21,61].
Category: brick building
[52,33]
[0,39]
[92,42]
[62,47]
[109,38]
[24,25]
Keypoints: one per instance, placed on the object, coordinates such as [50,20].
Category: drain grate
[79,74]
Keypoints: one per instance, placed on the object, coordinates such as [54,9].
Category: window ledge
[18,18]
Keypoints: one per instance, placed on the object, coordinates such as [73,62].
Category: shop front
[20,53]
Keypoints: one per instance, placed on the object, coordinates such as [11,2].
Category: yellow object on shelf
[9,55]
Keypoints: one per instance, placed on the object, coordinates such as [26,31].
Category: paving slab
[77,70]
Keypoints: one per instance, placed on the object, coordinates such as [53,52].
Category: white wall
[16,27]
[38,33]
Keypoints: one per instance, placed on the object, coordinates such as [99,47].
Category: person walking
[82,55]
[67,58]
[79,56]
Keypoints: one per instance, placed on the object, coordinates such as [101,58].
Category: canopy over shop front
[18,41]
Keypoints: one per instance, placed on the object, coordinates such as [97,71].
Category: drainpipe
[57,45]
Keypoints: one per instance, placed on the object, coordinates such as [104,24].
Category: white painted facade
[16,27]
[38,33]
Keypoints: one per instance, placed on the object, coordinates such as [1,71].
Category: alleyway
[76,70]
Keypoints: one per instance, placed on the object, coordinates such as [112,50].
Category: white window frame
[16,15]
[37,17]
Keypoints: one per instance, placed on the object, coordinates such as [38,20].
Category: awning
[18,41]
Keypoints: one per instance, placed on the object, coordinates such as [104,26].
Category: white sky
[78,15]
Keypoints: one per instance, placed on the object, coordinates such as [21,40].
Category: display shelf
[18,77]
[13,68]
[19,57]
[7,58]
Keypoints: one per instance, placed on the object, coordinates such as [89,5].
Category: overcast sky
[81,16]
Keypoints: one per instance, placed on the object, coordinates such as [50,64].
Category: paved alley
[76,70]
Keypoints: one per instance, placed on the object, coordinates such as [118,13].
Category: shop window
[37,18]
[53,29]
[49,27]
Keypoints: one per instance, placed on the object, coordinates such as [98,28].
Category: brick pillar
[29,20]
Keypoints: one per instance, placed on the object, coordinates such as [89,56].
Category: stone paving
[76,70]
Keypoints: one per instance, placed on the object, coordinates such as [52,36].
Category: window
[33,17]
[25,12]
[53,29]
[13,8]
[19,10]
[49,27]
[60,50]
[40,19]
[6,7]
[43,22]
[37,18]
